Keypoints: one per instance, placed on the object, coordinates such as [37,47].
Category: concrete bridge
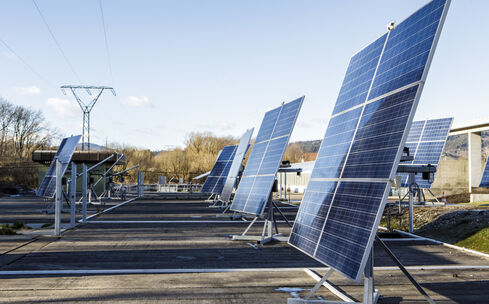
[473,129]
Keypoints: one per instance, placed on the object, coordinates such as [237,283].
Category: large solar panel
[264,161]
[65,152]
[243,146]
[485,176]
[426,141]
[343,203]
[216,179]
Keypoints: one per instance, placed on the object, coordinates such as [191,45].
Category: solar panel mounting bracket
[370,294]
[269,224]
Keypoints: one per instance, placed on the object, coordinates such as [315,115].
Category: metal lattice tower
[94,91]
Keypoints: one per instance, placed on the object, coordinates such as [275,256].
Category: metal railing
[133,188]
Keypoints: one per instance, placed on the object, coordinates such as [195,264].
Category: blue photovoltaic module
[216,179]
[426,141]
[264,161]
[358,158]
[65,152]
[485,176]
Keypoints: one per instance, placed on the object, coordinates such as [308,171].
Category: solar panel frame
[64,154]
[388,181]
[217,177]
[239,156]
[426,142]
[256,175]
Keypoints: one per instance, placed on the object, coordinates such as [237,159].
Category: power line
[56,41]
[25,62]
[106,42]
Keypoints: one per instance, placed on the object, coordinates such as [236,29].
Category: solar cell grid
[217,177]
[264,161]
[426,142]
[343,203]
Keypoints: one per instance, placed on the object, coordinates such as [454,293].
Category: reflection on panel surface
[342,205]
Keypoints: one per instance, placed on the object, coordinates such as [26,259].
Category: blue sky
[182,66]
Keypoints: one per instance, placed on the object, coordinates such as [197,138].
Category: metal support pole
[58,199]
[285,187]
[368,284]
[73,195]
[142,184]
[279,186]
[404,270]
[139,185]
[84,194]
[412,179]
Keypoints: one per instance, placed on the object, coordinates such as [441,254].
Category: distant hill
[455,147]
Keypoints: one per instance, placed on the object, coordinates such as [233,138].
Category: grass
[5,229]
[478,241]
[18,225]
[11,229]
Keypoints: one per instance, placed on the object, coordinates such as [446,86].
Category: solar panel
[264,161]
[65,152]
[216,179]
[485,176]
[426,141]
[344,200]
[243,146]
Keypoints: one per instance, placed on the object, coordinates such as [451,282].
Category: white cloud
[62,107]
[33,90]
[135,101]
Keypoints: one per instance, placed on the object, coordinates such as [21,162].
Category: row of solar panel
[342,205]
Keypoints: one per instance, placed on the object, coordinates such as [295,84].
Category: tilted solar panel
[65,152]
[485,176]
[426,141]
[343,203]
[264,161]
[243,146]
[216,179]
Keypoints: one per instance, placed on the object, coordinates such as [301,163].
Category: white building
[296,183]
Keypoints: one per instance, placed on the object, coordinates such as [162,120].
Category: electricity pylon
[86,107]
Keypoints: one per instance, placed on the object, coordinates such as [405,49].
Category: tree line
[197,157]
[22,130]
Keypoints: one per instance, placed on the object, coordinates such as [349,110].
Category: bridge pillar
[475,160]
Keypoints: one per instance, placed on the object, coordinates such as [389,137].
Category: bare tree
[27,128]
[6,117]
[294,153]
